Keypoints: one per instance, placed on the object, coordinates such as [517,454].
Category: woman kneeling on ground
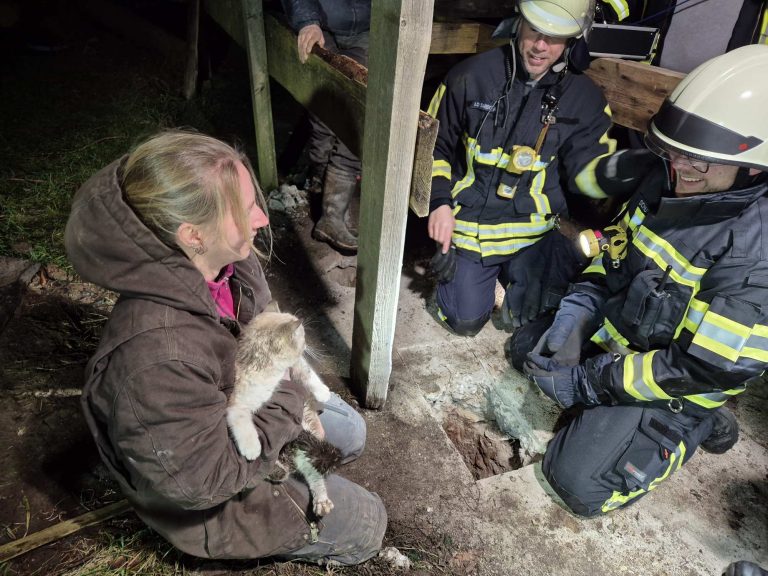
[170,227]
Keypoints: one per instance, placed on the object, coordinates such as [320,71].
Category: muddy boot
[337,194]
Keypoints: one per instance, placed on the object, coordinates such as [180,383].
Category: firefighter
[519,126]
[671,320]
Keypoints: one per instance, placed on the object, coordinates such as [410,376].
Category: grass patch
[64,119]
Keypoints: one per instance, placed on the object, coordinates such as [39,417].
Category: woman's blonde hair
[180,176]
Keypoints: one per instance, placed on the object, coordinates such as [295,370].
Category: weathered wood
[400,36]
[456,9]
[58,531]
[462,38]
[634,91]
[421,185]
[256,48]
[193,35]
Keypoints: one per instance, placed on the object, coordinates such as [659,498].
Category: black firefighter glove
[620,174]
[443,266]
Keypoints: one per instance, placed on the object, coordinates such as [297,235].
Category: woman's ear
[188,236]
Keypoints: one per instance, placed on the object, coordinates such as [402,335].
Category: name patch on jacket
[484,106]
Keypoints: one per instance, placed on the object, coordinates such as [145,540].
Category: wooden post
[256,47]
[400,38]
[193,36]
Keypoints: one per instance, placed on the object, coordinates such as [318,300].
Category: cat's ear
[294,324]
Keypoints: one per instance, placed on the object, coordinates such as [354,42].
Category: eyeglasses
[698,165]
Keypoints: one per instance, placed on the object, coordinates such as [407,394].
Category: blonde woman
[170,227]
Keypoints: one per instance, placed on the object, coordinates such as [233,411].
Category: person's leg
[466,302]
[321,141]
[351,533]
[344,427]
[336,226]
[610,456]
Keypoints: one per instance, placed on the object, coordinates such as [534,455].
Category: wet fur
[270,345]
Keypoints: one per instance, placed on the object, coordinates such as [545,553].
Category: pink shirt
[222,293]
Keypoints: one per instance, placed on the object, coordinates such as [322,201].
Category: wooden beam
[256,48]
[634,91]
[58,531]
[462,38]
[400,36]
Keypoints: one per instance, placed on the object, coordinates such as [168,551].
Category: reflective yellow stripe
[596,266]
[620,7]
[655,248]
[764,29]
[695,314]
[618,499]
[642,386]
[469,177]
[721,335]
[441,168]
[541,200]
[434,104]
[648,378]
[608,333]
[586,180]
[488,248]
[629,378]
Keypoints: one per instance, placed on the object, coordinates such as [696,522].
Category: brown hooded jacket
[156,390]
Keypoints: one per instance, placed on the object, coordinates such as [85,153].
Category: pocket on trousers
[651,452]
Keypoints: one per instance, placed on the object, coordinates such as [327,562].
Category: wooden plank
[400,37]
[634,91]
[58,531]
[462,38]
[256,48]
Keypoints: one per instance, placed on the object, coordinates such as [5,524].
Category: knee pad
[465,327]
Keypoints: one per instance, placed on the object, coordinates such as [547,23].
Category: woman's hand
[308,37]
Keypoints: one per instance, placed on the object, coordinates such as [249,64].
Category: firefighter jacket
[502,206]
[687,306]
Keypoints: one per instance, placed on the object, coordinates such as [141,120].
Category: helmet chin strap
[744,180]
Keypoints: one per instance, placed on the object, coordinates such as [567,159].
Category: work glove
[621,173]
[523,298]
[539,278]
[443,266]
[566,385]
[576,320]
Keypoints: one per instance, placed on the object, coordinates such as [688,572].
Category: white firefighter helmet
[718,112]
[558,18]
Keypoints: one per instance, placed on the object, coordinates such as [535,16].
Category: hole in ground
[485,450]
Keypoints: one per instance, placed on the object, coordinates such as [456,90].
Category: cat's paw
[322,507]
[250,449]
[320,391]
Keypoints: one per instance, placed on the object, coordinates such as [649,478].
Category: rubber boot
[337,194]
[725,432]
